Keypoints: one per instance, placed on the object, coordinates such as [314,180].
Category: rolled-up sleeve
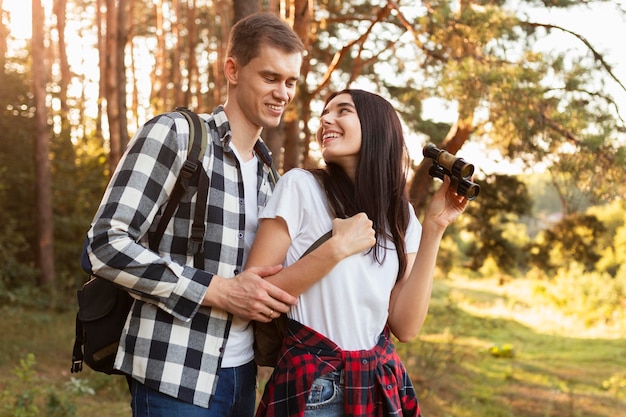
[116,246]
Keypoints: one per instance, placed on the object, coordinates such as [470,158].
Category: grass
[486,350]
[555,368]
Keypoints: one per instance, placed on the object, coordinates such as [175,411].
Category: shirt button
[236,271]
[389,387]
[240,235]
[241,202]
[364,361]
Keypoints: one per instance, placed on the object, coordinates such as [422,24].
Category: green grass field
[486,351]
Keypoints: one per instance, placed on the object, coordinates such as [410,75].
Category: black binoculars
[459,171]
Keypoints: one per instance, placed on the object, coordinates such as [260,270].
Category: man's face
[266,85]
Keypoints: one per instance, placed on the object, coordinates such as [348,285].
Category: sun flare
[20,17]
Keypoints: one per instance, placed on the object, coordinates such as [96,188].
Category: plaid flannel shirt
[170,342]
[376,382]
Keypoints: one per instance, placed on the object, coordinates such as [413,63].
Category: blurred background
[528,313]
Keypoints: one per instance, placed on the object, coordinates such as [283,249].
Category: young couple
[187,343]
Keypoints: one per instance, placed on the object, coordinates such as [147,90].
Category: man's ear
[231,70]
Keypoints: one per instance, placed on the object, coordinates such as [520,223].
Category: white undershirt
[349,305]
[239,344]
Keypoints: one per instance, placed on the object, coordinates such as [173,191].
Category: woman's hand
[445,206]
[354,234]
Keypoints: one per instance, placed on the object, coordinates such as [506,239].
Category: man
[187,344]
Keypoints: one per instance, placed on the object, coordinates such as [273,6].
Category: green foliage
[505,351]
[612,244]
[502,200]
[14,271]
[592,297]
[27,395]
[16,184]
[477,56]
[79,181]
[616,384]
[572,240]
[79,178]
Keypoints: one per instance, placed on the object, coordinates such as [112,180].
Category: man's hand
[249,296]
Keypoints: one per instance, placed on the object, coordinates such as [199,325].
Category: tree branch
[382,13]
[597,56]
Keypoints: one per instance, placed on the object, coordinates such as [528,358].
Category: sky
[601,24]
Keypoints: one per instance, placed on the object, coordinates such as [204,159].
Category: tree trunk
[102,64]
[132,69]
[4,34]
[217,74]
[243,8]
[193,88]
[110,74]
[134,106]
[116,37]
[59,11]
[302,16]
[162,53]
[123,28]
[274,138]
[177,61]
[43,181]
[291,156]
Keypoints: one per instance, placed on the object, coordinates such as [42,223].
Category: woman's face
[339,134]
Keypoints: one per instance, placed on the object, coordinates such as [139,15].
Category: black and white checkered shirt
[170,343]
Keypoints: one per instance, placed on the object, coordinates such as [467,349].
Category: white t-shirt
[350,305]
[239,344]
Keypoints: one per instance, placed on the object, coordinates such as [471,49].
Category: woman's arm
[350,236]
[411,295]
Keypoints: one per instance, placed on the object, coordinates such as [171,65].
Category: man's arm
[143,182]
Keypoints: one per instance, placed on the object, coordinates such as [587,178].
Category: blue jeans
[326,396]
[235,396]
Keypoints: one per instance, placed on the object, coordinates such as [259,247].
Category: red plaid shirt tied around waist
[376,382]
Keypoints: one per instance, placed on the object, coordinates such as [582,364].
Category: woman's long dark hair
[379,189]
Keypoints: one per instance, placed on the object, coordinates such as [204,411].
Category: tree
[43,184]
[503,199]
[4,33]
[17,201]
[115,76]
[243,8]
[572,240]
[477,55]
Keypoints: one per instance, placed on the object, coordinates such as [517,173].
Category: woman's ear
[231,70]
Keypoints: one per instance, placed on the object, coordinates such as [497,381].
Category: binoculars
[459,171]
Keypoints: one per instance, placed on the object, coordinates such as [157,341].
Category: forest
[550,220]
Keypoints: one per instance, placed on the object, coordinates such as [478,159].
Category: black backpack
[103,307]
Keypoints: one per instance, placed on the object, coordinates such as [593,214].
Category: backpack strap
[195,245]
[197,147]
[317,243]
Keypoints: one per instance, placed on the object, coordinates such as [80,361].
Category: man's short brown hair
[249,33]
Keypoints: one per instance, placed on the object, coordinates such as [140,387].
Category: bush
[594,297]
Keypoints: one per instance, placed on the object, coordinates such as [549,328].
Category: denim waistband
[337,376]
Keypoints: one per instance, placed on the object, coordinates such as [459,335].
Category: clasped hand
[249,296]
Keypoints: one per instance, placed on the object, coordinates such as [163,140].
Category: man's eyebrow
[274,74]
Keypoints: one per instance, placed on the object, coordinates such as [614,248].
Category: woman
[373,277]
